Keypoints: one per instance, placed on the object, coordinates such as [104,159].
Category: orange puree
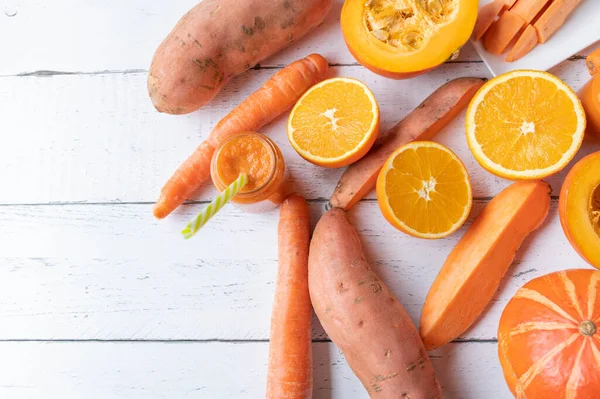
[247,154]
[590,98]
[258,157]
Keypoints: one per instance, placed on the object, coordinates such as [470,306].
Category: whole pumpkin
[549,337]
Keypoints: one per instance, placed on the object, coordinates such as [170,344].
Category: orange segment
[424,190]
[525,125]
[335,123]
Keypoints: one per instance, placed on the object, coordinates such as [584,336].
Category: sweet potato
[472,272]
[502,32]
[219,39]
[526,42]
[553,18]
[593,62]
[487,15]
[439,109]
[528,9]
[363,318]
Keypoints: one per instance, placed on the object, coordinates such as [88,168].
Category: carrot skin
[439,109]
[593,62]
[277,95]
[289,372]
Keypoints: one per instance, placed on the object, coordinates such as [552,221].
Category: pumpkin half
[549,337]
[404,38]
[579,208]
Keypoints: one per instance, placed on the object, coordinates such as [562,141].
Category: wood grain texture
[113,272]
[97,138]
[216,370]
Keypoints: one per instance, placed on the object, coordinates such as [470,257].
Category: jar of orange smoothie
[590,98]
[258,157]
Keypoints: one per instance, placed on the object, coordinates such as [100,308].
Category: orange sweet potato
[502,32]
[593,62]
[473,270]
[487,15]
[363,318]
[526,42]
[528,9]
[219,39]
[553,18]
[439,109]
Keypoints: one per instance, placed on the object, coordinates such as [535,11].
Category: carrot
[553,18]
[502,32]
[441,107]
[526,43]
[528,9]
[277,95]
[290,357]
[487,16]
[593,62]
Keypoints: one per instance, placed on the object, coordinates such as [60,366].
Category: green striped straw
[214,207]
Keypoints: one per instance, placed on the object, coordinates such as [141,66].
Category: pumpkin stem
[587,328]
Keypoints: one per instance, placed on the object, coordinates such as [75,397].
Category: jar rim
[269,145]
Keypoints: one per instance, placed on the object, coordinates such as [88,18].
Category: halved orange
[335,123]
[525,125]
[424,190]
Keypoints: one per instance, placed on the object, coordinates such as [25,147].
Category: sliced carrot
[593,62]
[502,32]
[528,9]
[553,18]
[487,16]
[526,43]
[289,372]
[277,95]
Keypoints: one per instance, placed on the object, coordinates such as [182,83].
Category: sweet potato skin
[219,39]
[431,116]
[363,318]
[473,270]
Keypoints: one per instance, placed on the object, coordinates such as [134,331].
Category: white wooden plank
[33,370]
[92,36]
[96,138]
[113,272]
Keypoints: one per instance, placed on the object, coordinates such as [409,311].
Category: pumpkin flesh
[403,38]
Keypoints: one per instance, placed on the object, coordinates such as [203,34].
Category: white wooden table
[100,300]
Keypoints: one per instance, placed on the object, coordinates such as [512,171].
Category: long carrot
[277,95]
[593,62]
[290,356]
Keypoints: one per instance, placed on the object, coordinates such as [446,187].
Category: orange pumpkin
[579,208]
[549,337]
[400,39]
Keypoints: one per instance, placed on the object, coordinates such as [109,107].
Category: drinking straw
[214,207]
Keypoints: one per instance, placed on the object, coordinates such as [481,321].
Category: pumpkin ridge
[570,290]
[572,382]
[539,326]
[594,280]
[533,295]
[536,368]
[596,351]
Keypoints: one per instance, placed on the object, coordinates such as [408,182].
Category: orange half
[424,190]
[335,123]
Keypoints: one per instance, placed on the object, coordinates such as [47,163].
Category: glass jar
[590,98]
[257,156]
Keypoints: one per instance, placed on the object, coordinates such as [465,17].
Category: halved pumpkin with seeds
[404,38]
[579,208]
